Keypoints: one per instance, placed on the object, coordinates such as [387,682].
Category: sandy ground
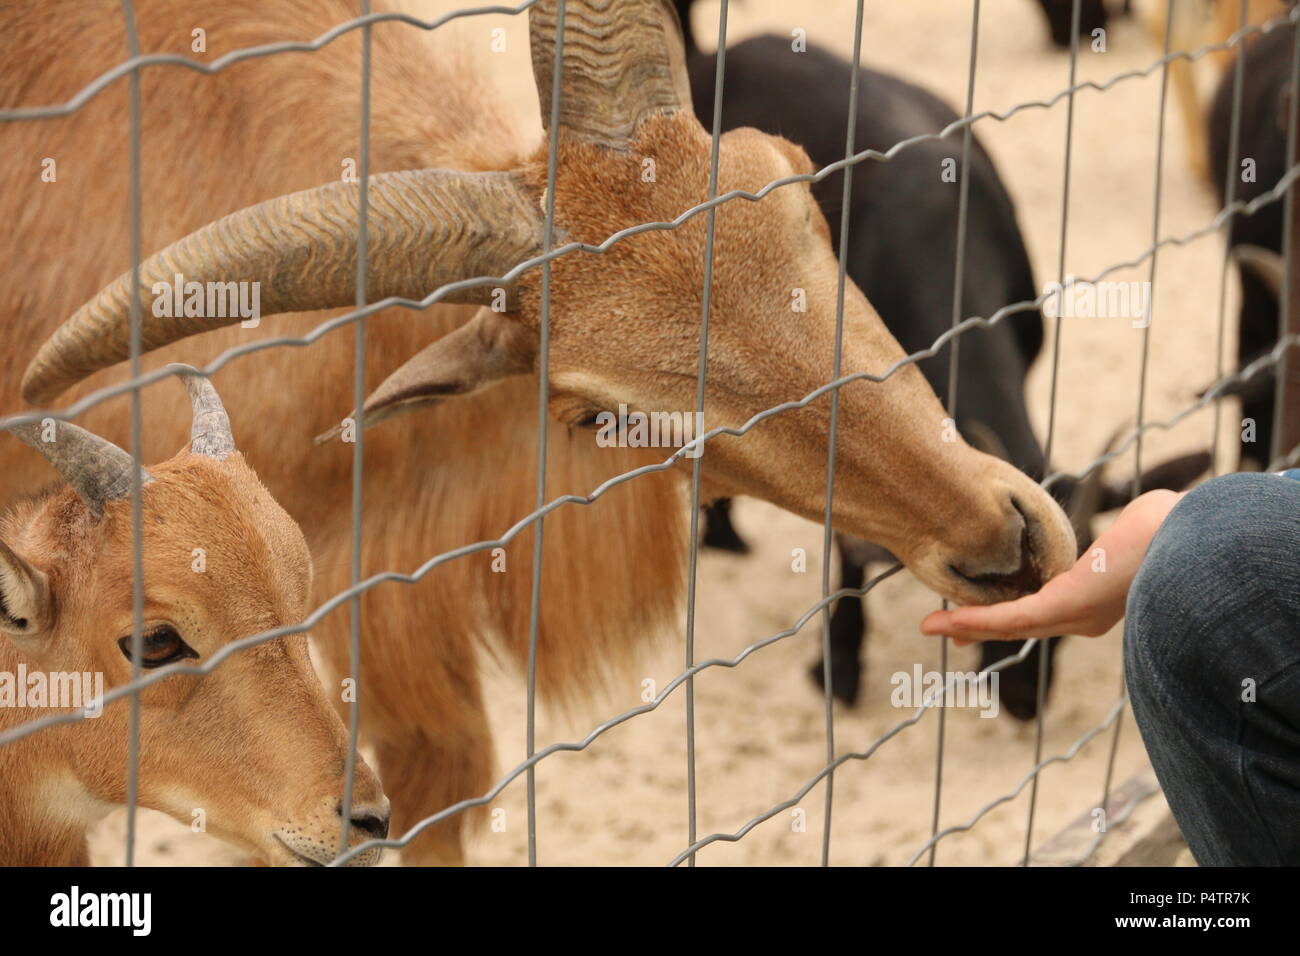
[759,727]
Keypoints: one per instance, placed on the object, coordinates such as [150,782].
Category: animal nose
[1026,578]
[370,821]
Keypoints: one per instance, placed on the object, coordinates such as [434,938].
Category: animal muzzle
[1028,575]
[1011,546]
[315,840]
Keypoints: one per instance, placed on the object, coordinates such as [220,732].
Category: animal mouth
[311,853]
[1026,579]
[300,857]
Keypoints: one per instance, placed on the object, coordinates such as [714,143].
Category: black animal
[903,247]
[1266,106]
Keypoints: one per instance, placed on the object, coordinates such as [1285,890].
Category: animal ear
[488,349]
[25,606]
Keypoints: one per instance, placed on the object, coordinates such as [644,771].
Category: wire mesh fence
[131,70]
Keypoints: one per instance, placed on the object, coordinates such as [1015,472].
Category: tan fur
[258,130]
[625,329]
[255,744]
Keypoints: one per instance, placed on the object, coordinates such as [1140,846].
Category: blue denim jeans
[1212,659]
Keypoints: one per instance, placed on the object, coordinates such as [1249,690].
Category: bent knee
[1214,565]
[1223,530]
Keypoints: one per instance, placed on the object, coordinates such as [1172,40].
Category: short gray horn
[210,429]
[96,469]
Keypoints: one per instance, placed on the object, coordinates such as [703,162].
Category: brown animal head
[255,743]
[624,326]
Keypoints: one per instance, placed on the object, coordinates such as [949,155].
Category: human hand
[1083,600]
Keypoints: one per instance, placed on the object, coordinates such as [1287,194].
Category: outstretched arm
[1080,601]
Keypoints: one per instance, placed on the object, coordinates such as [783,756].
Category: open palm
[1087,599]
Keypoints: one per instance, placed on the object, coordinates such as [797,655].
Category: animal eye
[577,412]
[159,646]
[588,419]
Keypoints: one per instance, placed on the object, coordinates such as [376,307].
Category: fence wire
[846,208]
[359,446]
[1274,359]
[1050,442]
[958,285]
[137,510]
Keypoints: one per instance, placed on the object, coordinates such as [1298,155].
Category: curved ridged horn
[97,470]
[210,433]
[424,229]
[622,60]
